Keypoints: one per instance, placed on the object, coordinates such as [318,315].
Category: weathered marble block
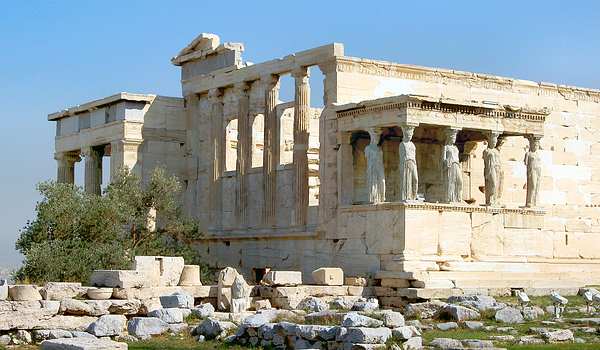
[24,292]
[61,290]
[118,279]
[82,344]
[329,276]
[283,278]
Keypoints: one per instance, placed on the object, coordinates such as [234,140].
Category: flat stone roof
[88,106]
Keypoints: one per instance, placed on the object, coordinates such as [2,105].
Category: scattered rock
[178,328]
[40,335]
[342,303]
[108,325]
[446,343]
[473,325]
[405,332]
[413,343]
[316,332]
[363,335]
[256,320]
[4,339]
[80,307]
[477,344]
[503,338]
[143,327]
[392,319]
[423,310]
[324,317]
[355,281]
[203,310]
[312,304]
[178,300]
[353,319]
[264,304]
[509,315]
[62,290]
[557,335]
[530,339]
[22,337]
[82,344]
[445,326]
[531,313]
[458,313]
[240,295]
[370,304]
[213,329]
[23,292]
[125,307]
[168,315]
[479,302]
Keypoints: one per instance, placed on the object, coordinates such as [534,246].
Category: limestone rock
[150,267]
[82,344]
[256,320]
[312,304]
[224,298]
[354,319]
[458,313]
[264,304]
[477,344]
[446,343]
[363,335]
[87,308]
[370,304]
[405,332]
[5,339]
[531,313]
[326,316]
[178,328]
[213,329]
[79,334]
[62,290]
[558,335]
[168,315]
[125,307]
[328,276]
[342,303]
[530,339]
[119,279]
[40,335]
[282,278]
[22,337]
[178,299]
[479,302]
[52,306]
[315,332]
[240,295]
[171,268]
[143,327]
[148,305]
[473,325]
[413,343]
[108,325]
[446,326]
[392,319]
[509,315]
[204,310]
[424,310]
[23,292]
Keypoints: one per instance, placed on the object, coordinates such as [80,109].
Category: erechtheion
[435,178]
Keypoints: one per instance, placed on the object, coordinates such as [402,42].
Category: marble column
[244,160]
[346,169]
[533,162]
[301,133]
[375,169]
[124,154]
[217,138]
[66,167]
[271,150]
[93,169]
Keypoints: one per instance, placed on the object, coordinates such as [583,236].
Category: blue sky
[57,54]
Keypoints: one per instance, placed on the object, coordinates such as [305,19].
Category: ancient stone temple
[437,179]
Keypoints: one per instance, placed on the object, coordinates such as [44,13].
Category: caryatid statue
[492,168]
[501,140]
[409,178]
[451,169]
[533,162]
[375,171]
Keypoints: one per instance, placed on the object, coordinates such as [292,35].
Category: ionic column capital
[241,89]
[270,80]
[300,73]
[215,94]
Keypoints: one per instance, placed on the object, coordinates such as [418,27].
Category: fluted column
[271,149]
[301,132]
[217,137]
[66,167]
[93,169]
[244,162]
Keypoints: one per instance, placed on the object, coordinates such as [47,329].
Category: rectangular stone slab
[82,344]
[118,279]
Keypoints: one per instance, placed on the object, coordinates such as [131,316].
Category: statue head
[450,136]
[534,144]
[492,140]
[407,133]
[501,140]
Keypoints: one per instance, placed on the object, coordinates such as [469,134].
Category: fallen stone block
[84,308]
[213,329]
[82,344]
[424,310]
[24,292]
[446,343]
[62,290]
[204,310]
[370,304]
[170,270]
[168,315]
[178,300]
[328,276]
[263,304]
[125,307]
[282,278]
[558,335]
[391,319]
[40,335]
[413,343]
[119,279]
[477,344]
[99,293]
[354,319]
[227,277]
[355,281]
[363,335]
[312,304]
[108,325]
[405,332]
[509,315]
[458,313]
[143,327]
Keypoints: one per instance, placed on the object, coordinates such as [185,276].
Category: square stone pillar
[66,166]
[93,169]
[301,133]
[125,154]
[345,169]
[271,149]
